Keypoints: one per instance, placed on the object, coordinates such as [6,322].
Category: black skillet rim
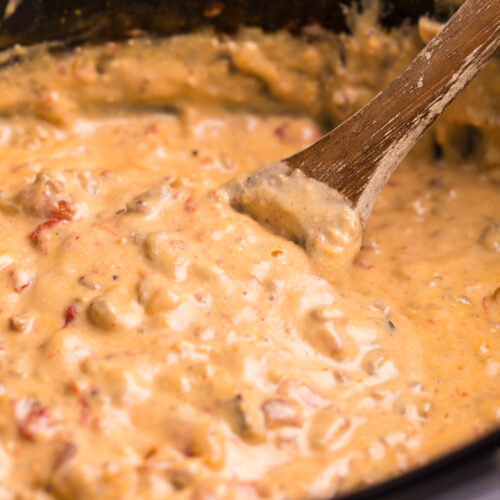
[96,20]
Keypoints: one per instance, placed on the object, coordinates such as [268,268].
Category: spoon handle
[358,156]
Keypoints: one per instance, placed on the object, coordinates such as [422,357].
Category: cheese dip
[155,343]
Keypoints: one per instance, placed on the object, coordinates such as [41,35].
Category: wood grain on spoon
[358,156]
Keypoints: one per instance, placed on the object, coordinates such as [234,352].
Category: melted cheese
[155,343]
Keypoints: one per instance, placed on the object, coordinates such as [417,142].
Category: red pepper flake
[393,184]
[190,205]
[35,235]
[179,244]
[70,314]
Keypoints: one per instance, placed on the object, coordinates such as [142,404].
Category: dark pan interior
[72,22]
[40,20]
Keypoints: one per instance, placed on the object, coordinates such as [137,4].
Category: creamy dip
[157,344]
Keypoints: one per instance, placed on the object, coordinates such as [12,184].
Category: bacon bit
[70,314]
[32,418]
[60,209]
[362,265]
[34,237]
[179,244]
[190,205]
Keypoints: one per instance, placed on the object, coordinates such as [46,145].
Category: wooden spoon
[357,158]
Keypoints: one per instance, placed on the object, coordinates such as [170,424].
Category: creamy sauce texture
[155,343]
[304,210]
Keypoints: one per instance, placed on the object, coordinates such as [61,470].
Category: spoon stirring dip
[316,195]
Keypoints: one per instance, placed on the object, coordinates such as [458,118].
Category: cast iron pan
[37,20]
[468,473]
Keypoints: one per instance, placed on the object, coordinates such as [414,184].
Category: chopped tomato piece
[32,418]
[20,280]
[70,314]
[60,209]
[35,235]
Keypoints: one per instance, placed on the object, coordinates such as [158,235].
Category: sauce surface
[156,343]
